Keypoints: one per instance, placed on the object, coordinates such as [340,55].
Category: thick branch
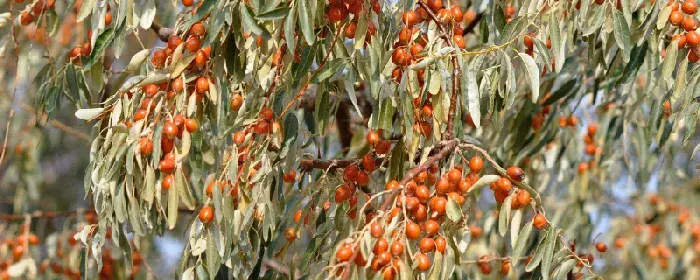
[163,33]
[473,24]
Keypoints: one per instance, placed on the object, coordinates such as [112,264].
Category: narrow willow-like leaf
[306,20]
[504,216]
[534,73]
[669,63]
[249,21]
[520,244]
[622,34]
[549,243]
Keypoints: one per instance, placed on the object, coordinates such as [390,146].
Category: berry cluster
[683,15]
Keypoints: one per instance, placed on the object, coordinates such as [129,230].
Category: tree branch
[163,33]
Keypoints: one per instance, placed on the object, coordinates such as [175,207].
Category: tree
[355,139]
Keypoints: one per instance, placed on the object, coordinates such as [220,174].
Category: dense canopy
[416,139]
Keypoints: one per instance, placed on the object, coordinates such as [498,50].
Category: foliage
[381,124]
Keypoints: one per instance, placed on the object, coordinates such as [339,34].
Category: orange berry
[440,244]
[523,197]
[343,254]
[692,38]
[290,235]
[392,185]
[675,18]
[193,44]
[582,167]
[476,164]
[202,84]
[174,42]
[539,221]
[198,29]
[368,163]
[412,231]
[426,245]
[515,173]
[431,227]
[410,18]
[397,248]
[380,246]
[601,247]
[236,102]
[108,18]
[376,230]
[423,262]
[454,176]
[145,146]
[206,214]
[167,182]
[372,138]
[290,176]
[689,7]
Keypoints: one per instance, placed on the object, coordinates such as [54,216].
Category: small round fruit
[454,175]
[290,176]
[523,197]
[202,84]
[426,245]
[431,227]
[397,248]
[290,235]
[410,18]
[675,18]
[206,214]
[174,42]
[692,38]
[193,44]
[198,29]
[167,182]
[412,231]
[689,7]
[26,18]
[146,146]
[423,262]
[434,5]
[601,247]
[343,254]
[515,173]
[266,114]
[191,125]
[236,102]
[187,3]
[376,230]
[392,185]
[476,164]
[440,244]
[170,129]
[539,221]
[689,24]
[582,167]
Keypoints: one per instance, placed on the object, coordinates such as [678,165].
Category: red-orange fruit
[539,221]
[206,214]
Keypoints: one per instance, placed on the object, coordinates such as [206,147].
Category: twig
[453,99]
[65,128]
[323,62]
